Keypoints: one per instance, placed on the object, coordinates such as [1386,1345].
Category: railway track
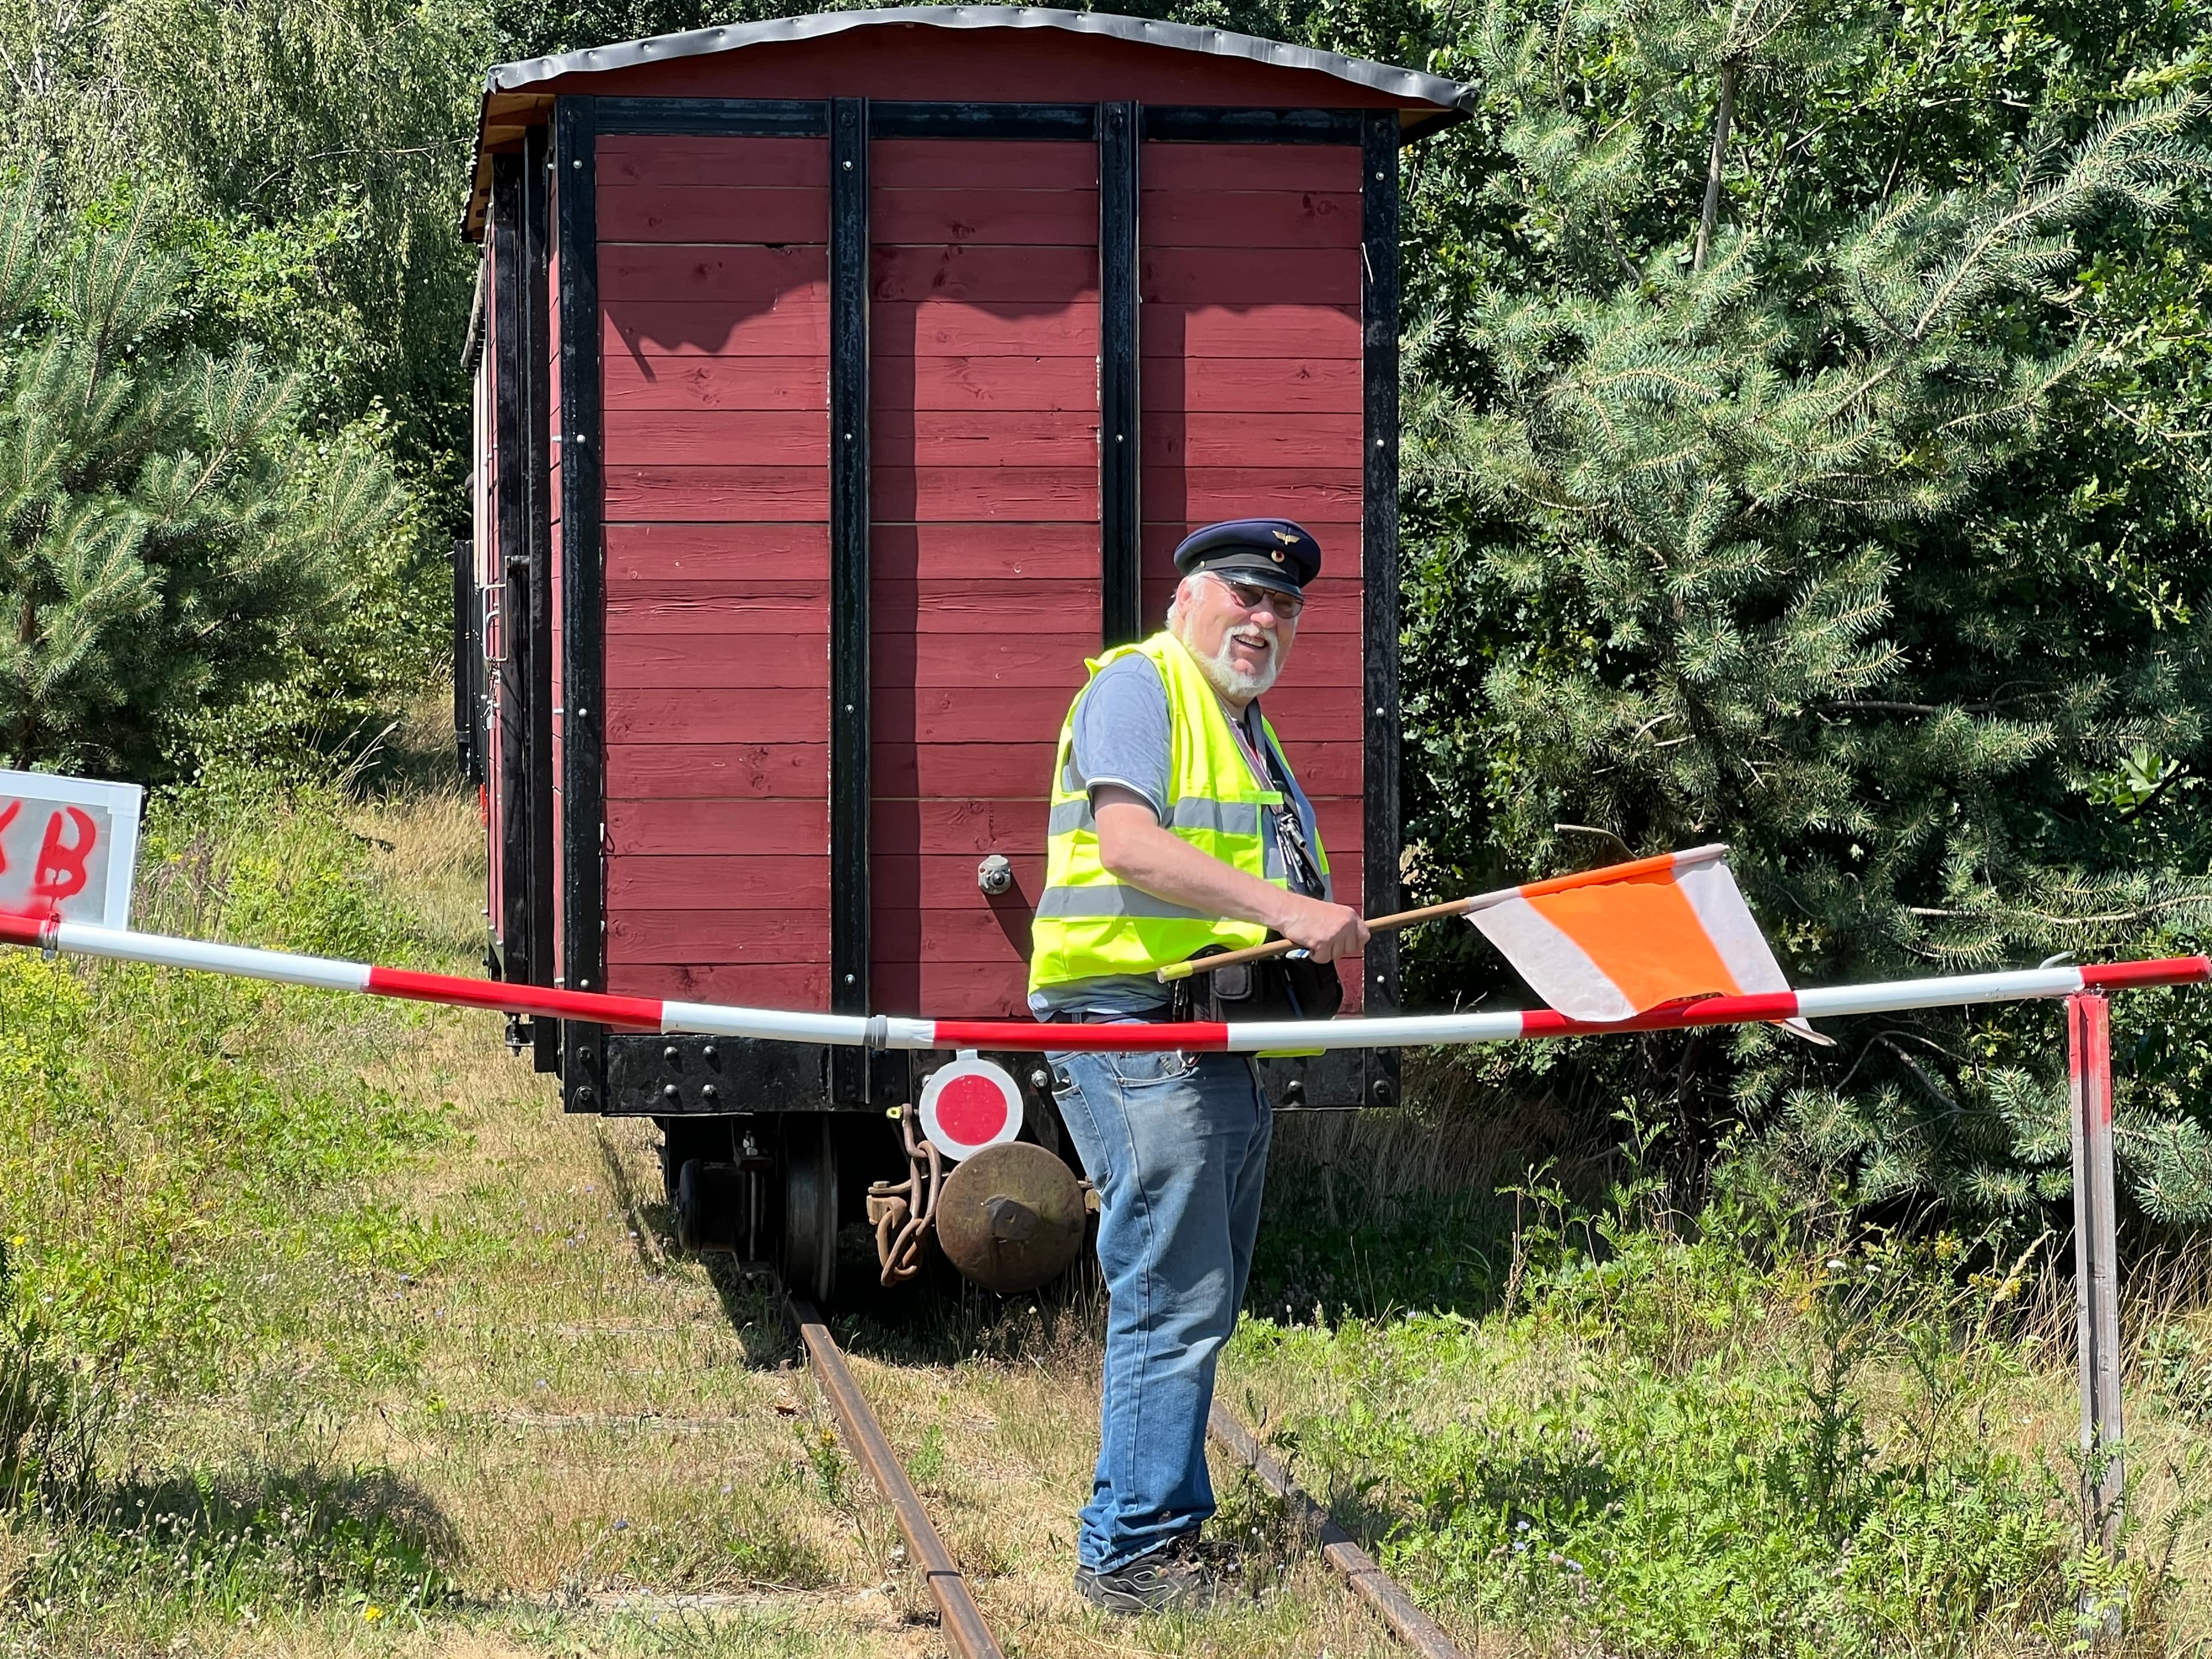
[966,1631]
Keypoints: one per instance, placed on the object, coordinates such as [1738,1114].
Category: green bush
[179,1151]
[1725,1434]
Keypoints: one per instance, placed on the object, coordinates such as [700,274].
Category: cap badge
[1286,538]
[1276,554]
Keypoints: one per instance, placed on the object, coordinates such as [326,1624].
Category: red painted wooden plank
[1174,167]
[699,214]
[945,329]
[896,164]
[697,275]
[1026,277]
[985,438]
[1065,217]
[1250,277]
[792,715]
[754,623]
[985,383]
[658,159]
[635,328]
[970,828]
[1296,332]
[650,380]
[1310,715]
[1052,667]
[1343,823]
[705,664]
[720,881]
[1203,495]
[746,828]
[1250,386]
[950,990]
[780,557]
[907,879]
[753,437]
[956,771]
[970,713]
[984,552]
[982,934]
[1019,493]
[1058,610]
[729,494]
[803,987]
[1256,440]
[717,771]
[693,935]
[1251,219]
[741,585]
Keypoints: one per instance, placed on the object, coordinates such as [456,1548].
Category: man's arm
[1134,849]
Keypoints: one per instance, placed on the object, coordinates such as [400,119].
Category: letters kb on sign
[69,847]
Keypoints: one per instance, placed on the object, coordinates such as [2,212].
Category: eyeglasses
[1252,596]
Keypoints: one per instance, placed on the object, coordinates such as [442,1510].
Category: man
[1176,824]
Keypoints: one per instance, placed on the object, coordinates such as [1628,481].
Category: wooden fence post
[2096,1266]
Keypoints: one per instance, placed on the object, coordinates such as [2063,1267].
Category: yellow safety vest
[1089,923]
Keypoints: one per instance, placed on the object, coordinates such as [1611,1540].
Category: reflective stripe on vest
[1089,924]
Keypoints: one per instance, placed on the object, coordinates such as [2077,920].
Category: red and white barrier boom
[882,1031]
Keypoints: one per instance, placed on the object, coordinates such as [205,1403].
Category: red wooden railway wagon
[843,382]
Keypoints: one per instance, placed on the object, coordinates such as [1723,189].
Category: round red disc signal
[968,1105]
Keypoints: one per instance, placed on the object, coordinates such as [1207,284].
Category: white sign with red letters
[69,847]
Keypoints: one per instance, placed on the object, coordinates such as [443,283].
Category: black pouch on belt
[1278,988]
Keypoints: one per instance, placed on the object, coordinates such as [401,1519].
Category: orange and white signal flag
[1609,944]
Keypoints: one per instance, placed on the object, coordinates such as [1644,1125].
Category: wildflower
[372,1612]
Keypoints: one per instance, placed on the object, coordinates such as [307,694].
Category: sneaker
[1170,1577]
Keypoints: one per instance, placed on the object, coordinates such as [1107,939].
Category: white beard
[1230,680]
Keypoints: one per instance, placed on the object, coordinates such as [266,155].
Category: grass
[380,1352]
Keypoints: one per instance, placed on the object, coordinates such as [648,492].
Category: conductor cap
[1273,552]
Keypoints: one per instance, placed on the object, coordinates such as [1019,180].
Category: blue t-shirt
[1121,737]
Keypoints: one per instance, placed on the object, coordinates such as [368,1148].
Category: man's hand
[1132,846]
[1327,931]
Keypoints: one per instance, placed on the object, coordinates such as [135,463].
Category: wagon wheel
[810,1208]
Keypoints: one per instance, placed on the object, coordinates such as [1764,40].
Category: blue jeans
[1178,1147]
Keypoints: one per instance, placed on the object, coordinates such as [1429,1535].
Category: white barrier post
[2096,1263]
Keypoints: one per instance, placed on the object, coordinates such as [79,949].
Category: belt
[1093,1017]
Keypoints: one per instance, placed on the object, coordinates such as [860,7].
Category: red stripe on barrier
[2162,971]
[1705,1011]
[1202,1036]
[636,1013]
[24,929]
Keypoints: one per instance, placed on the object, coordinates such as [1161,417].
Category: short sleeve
[1122,733]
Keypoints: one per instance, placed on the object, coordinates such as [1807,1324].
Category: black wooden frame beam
[850,786]
[723,118]
[535,388]
[1121,519]
[1378,536]
[1202,124]
[1072,123]
[583,609]
[510,335]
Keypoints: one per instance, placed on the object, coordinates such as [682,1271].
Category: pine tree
[1730,472]
[166,530]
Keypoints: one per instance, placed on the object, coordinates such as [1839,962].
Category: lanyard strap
[1290,828]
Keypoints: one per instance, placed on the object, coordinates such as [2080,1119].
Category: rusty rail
[963,1620]
[1369,1582]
